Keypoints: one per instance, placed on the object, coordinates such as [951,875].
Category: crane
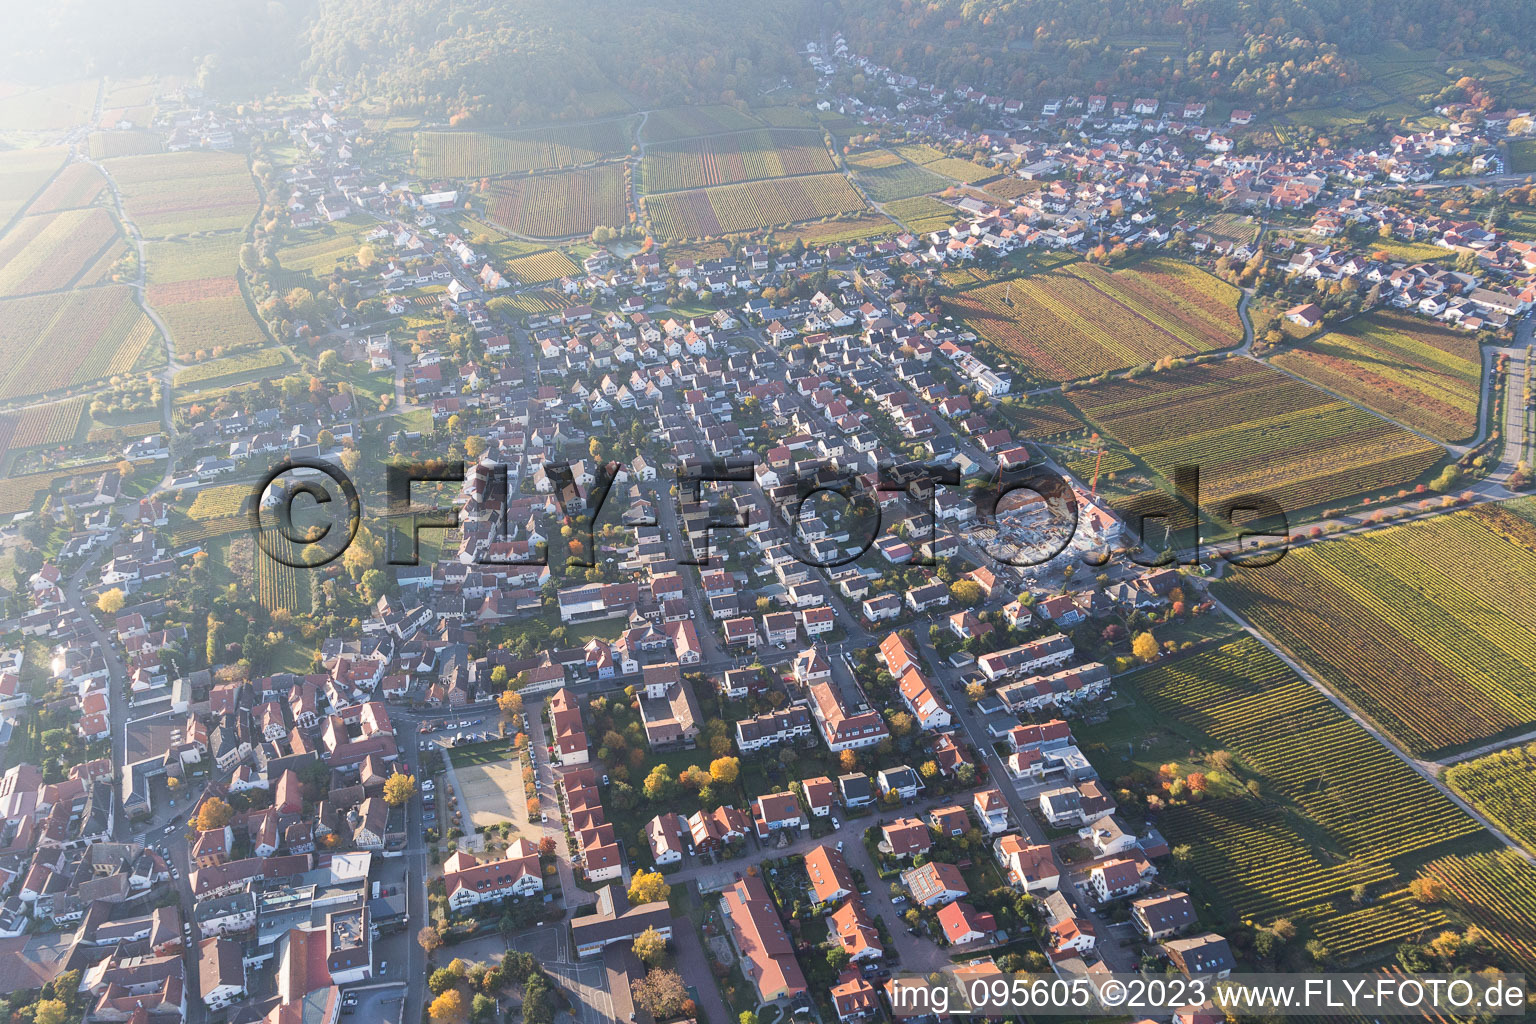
[1097,452]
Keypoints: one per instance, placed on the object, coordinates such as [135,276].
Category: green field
[922,214]
[176,193]
[472,154]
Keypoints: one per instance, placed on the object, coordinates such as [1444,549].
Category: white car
[897,900]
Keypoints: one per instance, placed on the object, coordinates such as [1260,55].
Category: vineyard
[539,267]
[898,181]
[562,204]
[1503,786]
[217,502]
[19,493]
[1423,374]
[686,122]
[922,214]
[742,156]
[853,227]
[105,145]
[52,424]
[1498,892]
[1428,627]
[951,167]
[1356,796]
[278,584]
[78,185]
[488,154]
[174,193]
[192,285]
[751,206]
[55,341]
[544,300]
[1249,427]
[1079,321]
[49,251]
[22,173]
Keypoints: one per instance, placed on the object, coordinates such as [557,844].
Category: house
[764,950]
[819,794]
[1201,954]
[934,883]
[853,997]
[1029,866]
[923,702]
[844,716]
[220,972]
[830,876]
[901,780]
[855,790]
[1116,878]
[855,932]
[1075,805]
[469,882]
[964,924]
[1165,914]
[776,812]
[665,833]
[949,821]
[1307,314]
[992,809]
[907,837]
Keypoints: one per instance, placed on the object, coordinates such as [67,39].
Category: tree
[547,846]
[661,993]
[429,939]
[724,770]
[746,1017]
[648,887]
[482,1007]
[214,813]
[448,1007]
[651,947]
[111,601]
[441,980]
[1426,889]
[330,362]
[50,1011]
[1144,646]
[399,788]
[966,593]
[474,447]
[509,702]
[373,584]
[366,256]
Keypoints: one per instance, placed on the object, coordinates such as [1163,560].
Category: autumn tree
[448,1008]
[214,813]
[648,887]
[510,703]
[1144,646]
[650,947]
[547,846]
[966,593]
[724,770]
[429,939]
[1426,889]
[111,601]
[661,993]
[50,1011]
[399,788]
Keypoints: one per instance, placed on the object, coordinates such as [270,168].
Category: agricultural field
[55,423]
[1522,156]
[751,206]
[687,122]
[77,185]
[1230,229]
[319,250]
[240,365]
[1011,189]
[104,145]
[739,156]
[921,214]
[1250,428]
[1503,786]
[540,267]
[192,285]
[1428,627]
[219,502]
[1497,891]
[279,585]
[46,108]
[176,193]
[23,173]
[51,251]
[543,300]
[1425,375]
[899,180]
[55,341]
[20,493]
[562,204]
[1363,808]
[471,154]
[1079,320]
[856,227]
[938,162]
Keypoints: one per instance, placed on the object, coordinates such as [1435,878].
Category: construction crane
[1096,452]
